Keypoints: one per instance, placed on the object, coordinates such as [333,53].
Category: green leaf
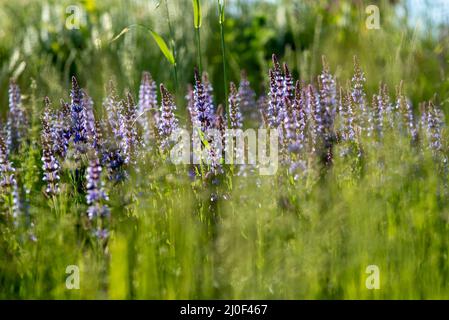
[157,38]
[163,47]
[196,13]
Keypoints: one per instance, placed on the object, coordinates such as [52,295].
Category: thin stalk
[223,56]
[198,48]
[173,45]
[315,46]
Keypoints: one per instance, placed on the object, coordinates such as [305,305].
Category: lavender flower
[205,119]
[50,163]
[235,115]
[405,109]
[247,96]
[288,84]
[289,139]
[387,107]
[359,98]
[8,182]
[262,106]
[95,197]
[327,96]
[275,107]
[111,154]
[209,91]
[147,108]
[17,120]
[299,112]
[112,106]
[7,170]
[296,130]
[284,96]
[349,132]
[190,98]
[272,111]
[147,94]
[382,110]
[423,118]
[78,118]
[114,162]
[167,123]
[63,130]
[95,193]
[202,105]
[283,143]
[217,145]
[434,128]
[128,131]
[315,110]
[220,123]
[291,128]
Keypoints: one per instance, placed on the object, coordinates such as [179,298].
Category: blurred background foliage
[36,44]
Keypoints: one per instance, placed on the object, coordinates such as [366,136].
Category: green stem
[198,46]
[173,45]
[175,71]
[223,56]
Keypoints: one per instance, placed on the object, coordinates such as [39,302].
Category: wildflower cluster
[311,120]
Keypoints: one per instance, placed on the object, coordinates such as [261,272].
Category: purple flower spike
[8,182]
[95,192]
[235,116]
[190,98]
[128,129]
[209,91]
[202,106]
[148,115]
[167,122]
[299,110]
[358,97]
[434,127]
[63,130]
[50,163]
[247,96]
[405,109]
[98,212]
[328,97]
[78,113]
[288,84]
[276,105]
[111,105]
[17,121]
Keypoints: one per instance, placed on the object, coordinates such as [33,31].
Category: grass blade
[157,38]
[163,47]
[196,13]
[125,30]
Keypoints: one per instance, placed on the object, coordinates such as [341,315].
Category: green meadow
[92,207]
